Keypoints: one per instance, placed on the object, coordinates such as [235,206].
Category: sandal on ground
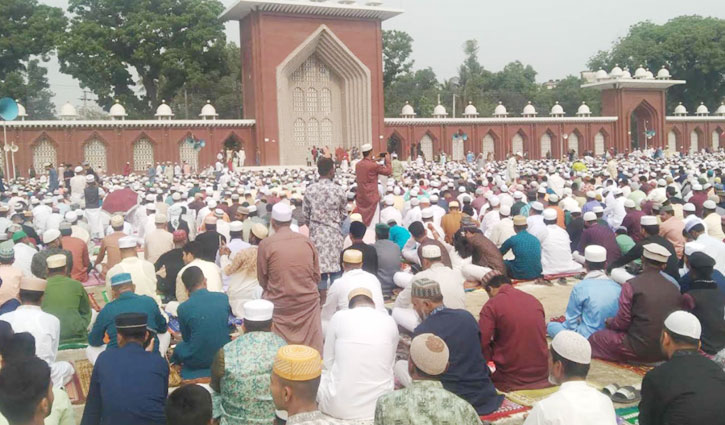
[610,389]
[627,394]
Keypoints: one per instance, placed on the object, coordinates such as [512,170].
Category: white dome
[702,109]
[583,109]
[640,73]
[117,110]
[529,109]
[470,110]
[208,111]
[68,111]
[440,111]
[663,73]
[648,75]
[601,74]
[626,73]
[680,109]
[720,110]
[407,110]
[21,110]
[616,72]
[500,110]
[556,110]
[164,110]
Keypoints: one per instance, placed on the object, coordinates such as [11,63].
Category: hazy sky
[556,37]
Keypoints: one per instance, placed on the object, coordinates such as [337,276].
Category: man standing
[78,250]
[51,240]
[142,272]
[129,385]
[687,388]
[93,196]
[527,252]
[77,185]
[241,380]
[367,171]
[324,212]
[159,241]
[66,299]
[288,271]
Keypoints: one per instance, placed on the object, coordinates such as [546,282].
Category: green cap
[19,235]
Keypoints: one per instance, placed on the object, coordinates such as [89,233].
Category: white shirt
[359,355]
[537,227]
[40,217]
[556,252]
[438,213]
[44,327]
[338,292]
[574,403]
[450,281]
[489,220]
[414,214]
[391,213]
[234,245]
[212,273]
[142,273]
[23,257]
[614,212]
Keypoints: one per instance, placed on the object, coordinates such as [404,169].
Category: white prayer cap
[662,183]
[414,202]
[693,247]
[429,353]
[236,226]
[542,189]
[127,242]
[396,191]
[117,220]
[692,221]
[575,209]
[474,272]
[431,251]
[479,191]
[697,187]
[591,194]
[684,324]
[505,210]
[78,169]
[553,198]
[281,212]
[709,204]
[219,213]
[598,209]
[90,178]
[494,201]
[366,147]
[590,216]
[424,200]
[160,219]
[56,261]
[258,310]
[50,235]
[252,208]
[434,198]
[538,206]
[71,216]
[573,347]
[550,214]
[389,200]
[353,217]
[151,207]
[427,213]
[518,195]
[211,203]
[595,254]
[617,191]
[461,189]
[648,220]
[402,279]
[150,198]
[689,207]
[656,252]
[629,203]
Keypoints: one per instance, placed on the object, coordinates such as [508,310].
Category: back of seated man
[26,391]
[189,405]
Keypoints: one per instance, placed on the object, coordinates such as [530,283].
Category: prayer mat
[640,369]
[94,279]
[508,408]
[530,397]
[79,385]
[628,415]
[556,276]
[94,303]
[75,390]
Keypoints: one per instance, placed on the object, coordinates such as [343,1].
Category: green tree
[569,94]
[472,83]
[397,47]
[691,47]
[419,88]
[162,43]
[515,85]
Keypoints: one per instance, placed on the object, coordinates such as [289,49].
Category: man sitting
[633,334]
[484,252]
[203,320]
[191,254]
[359,353]
[513,335]
[242,380]
[26,391]
[706,302]
[389,257]
[370,256]
[189,405]
[575,402]
[593,300]
[597,232]
[66,299]
[688,388]
[142,272]
[51,240]
[527,251]
[425,400]
[555,247]
[650,234]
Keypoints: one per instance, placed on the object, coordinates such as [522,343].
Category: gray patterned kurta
[324,209]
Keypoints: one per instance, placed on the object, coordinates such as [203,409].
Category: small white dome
[626,73]
[601,74]
[21,110]
[583,110]
[117,110]
[529,110]
[500,110]
[208,111]
[720,110]
[407,110]
[680,109]
[440,111]
[648,75]
[68,112]
[702,109]
[640,73]
[616,72]
[557,110]
[164,111]
[470,110]
[663,74]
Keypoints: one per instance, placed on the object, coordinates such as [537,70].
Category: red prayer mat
[508,408]
[640,370]
[80,383]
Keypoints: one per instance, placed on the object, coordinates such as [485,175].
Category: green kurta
[66,299]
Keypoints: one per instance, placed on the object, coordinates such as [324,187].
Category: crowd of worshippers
[331,272]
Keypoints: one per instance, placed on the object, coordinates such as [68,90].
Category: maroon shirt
[697,199]
[600,234]
[513,336]
[632,222]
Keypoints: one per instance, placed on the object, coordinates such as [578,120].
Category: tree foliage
[397,47]
[691,47]
[160,44]
[30,87]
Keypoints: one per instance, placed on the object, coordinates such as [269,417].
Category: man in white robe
[556,254]
[390,212]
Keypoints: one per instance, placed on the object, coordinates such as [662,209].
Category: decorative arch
[545,143]
[572,142]
[600,142]
[518,141]
[395,143]
[715,138]
[44,150]
[490,140]
[644,116]
[695,136]
[672,139]
[188,153]
[143,153]
[94,151]
[426,146]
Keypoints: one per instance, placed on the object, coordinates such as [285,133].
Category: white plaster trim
[128,123]
[242,8]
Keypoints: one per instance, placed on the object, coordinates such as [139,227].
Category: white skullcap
[595,254]
[236,226]
[629,203]
[50,235]
[366,147]
[661,182]
[396,191]
[542,190]
[684,324]
[590,216]
[575,209]
[598,209]
[573,347]
[689,207]
[429,353]
[697,187]
[71,216]
[656,252]
[425,200]
[427,213]
[518,195]
[709,204]
[505,210]
[692,221]
[402,279]
[212,204]
[151,207]
[389,200]
[591,194]
[693,247]
[281,212]
[494,201]
[461,189]
[538,206]
[434,198]
[648,220]
[78,169]
[550,214]
[553,198]
[127,242]
[414,202]
[431,251]
[258,310]
[90,178]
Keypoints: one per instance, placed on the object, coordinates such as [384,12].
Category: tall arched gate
[143,153]
[694,140]
[545,144]
[715,140]
[517,143]
[489,145]
[189,154]
[94,152]
[426,146]
[599,144]
[672,141]
[572,143]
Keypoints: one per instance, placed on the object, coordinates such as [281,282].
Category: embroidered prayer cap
[121,279]
[281,212]
[683,323]
[127,242]
[590,216]
[352,256]
[367,147]
[429,353]
[218,213]
[160,219]
[519,220]
[689,207]
[701,261]
[693,247]
[573,347]
[131,320]
[550,214]
[50,235]
[117,220]
[259,230]
[90,178]
[297,363]
[426,288]
[33,283]
[595,254]
[7,252]
[210,219]
[648,220]
[656,252]
[431,251]
[505,210]
[56,261]
[258,310]
[236,226]
[360,291]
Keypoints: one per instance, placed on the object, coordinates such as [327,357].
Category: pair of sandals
[625,395]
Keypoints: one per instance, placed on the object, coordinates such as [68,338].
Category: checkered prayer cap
[426,288]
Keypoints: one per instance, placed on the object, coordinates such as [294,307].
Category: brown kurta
[486,253]
[288,271]
[109,247]
[367,196]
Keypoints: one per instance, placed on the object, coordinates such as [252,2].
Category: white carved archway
[426,146]
[94,152]
[489,145]
[517,143]
[715,140]
[545,144]
[143,153]
[599,143]
[572,143]
[672,141]
[44,151]
[189,154]
[694,140]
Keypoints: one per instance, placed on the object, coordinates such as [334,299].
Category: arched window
[599,143]
[326,132]
[715,140]
[313,132]
[298,99]
[517,143]
[94,152]
[694,140]
[672,141]
[143,153]
[189,154]
[488,145]
[572,143]
[426,146]
[44,151]
[545,144]
[299,131]
[311,100]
